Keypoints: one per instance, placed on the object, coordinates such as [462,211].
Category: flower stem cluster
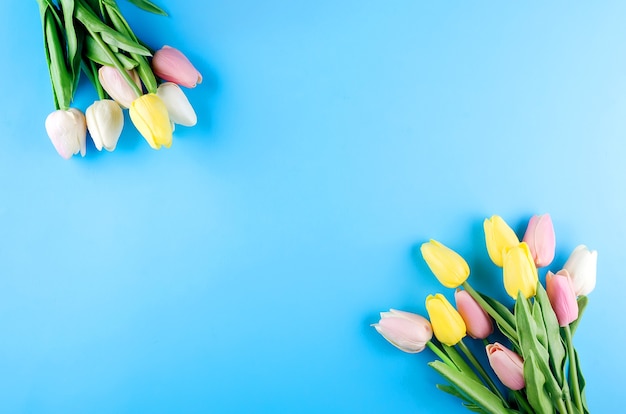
[92,37]
[537,363]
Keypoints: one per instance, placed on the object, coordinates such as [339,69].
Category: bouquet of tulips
[535,367]
[93,37]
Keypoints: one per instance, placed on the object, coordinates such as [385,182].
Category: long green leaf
[95,52]
[556,348]
[111,36]
[148,6]
[538,397]
[460,363]
[73,41]
[475,391]
[62,81]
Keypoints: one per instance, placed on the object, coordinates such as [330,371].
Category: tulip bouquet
[531,364]
[94,38]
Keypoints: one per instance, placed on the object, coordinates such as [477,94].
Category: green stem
[510,330]
[481,371]
[440,354]
[573,371]
[521,399]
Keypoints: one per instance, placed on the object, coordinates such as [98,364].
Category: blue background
[239,271]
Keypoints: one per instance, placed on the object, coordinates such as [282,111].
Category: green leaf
[581,380]
[62,82]
[452,390]
[502,310]
[460,363]
[93,24]
[148,6]
[74,41]
[538,397]
[475,391]
[537,315]
[556,348]
[582,305]
[96,53]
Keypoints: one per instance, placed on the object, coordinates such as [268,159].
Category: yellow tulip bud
[447,265]
[499,238]
[447,323]
[520,272]
[149,114]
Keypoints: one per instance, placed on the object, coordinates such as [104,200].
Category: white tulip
[105,122]
[67,130]
[582,268]
[178,107]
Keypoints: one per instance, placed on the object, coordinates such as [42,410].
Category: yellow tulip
[499,238]
[520,272]
[447,323]
[149,114]
[447,265]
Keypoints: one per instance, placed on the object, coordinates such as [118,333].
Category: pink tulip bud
[477,321]
[540,239]
[508,366]
[406,331]
[562,296]
[67,130]
[117,86]
[171,65]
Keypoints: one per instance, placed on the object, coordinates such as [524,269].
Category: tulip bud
[520,272]
[406,331]
[477,321]
[508,366]
[499,237]
[562,296]
[67,130]
[149,114]
[448,266]
[171,65]
[105,122]
[582,267]
[178,107]
[447,324]
[540,239]
[117,86]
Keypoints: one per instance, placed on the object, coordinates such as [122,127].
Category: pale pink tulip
[406,331]
[171,65]
[117,86]
[541,239]
[67,130]
[508,366]
[562,296]
[477,321]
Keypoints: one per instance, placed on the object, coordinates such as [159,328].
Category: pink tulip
[171,65]
[562,296]
[508,366]
[477,321]
[67,130]
[540,239]
[406,331]
[117,86]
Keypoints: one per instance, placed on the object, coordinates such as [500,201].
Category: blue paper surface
[239,271]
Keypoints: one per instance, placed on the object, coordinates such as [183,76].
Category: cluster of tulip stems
[535,368]
[94,38]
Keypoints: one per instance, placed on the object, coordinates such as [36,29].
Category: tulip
[540,239]
[67,130]
[477,321]
[447,324]
[448,266]
[171,65]
[508,366]
[562,296]
[105,122]
[582,267]
[178,107]
[117,86]
[406,331]
[149,114]
[520,272]
[499,237]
